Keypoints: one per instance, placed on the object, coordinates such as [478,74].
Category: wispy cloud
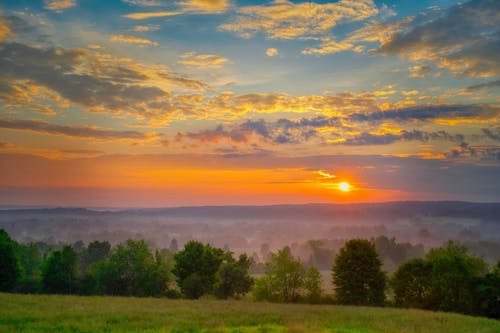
[182,7]
[132,40]
[204,6]
[144,3]
[72,130]
[144,28]
[147,15]
[486,85]
[59,5]
[202,60]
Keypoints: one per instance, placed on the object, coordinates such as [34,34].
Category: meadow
[54,313]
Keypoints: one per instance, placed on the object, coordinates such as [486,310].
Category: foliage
[285,280]
[132,270]
[411,284]
[96,251]
[487,292]
[10,268]
[59,273]
[232,278]
[196,266]
[447,279]
[312,284]
[357,274]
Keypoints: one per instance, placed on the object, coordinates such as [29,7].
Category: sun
[344,186]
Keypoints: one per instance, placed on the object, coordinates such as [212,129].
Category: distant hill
[391,210]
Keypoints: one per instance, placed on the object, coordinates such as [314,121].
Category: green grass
[37,313]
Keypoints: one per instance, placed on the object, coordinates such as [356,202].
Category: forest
[446,278]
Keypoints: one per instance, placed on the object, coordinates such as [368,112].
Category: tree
[487,294]
[232,278]
[132,270]
[412,284]
[447,279]
[96,251]
[195,268]
[283,280]
[312,284]
[31,263]
[59,274]
[10,269]
[452,278]
[357,274]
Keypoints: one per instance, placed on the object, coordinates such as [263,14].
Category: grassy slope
[30,313]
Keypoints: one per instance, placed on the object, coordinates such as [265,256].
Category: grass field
[34,313]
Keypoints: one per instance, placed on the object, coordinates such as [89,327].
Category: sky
[149,103]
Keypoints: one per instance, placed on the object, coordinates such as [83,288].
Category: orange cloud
[202,60]
[271,52]
[59,5]
[132,40]
[4,29]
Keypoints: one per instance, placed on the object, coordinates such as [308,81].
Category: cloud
[487,85]
[239,134]
[467,152]
[370,139]
[432,112]
[204,6]
[4,29]
[59,5]
[464,40]
[420,71]
[495,136]
[96,81]
[283,19]
[72,131]
[132,40]
[271,52]
[144,3]
[202,60]
[144,28]
[147,15]
[372,32]
[228,102]
[184,7]
[329,46]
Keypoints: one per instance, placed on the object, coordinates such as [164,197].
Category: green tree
[357,275]
[31,262]
[452,278]
[312,285]
[96,251]
[283,280]
[232,278]
[10,268]
[487,294]
[196,266]
[132,270]
[412,284]
[59,273]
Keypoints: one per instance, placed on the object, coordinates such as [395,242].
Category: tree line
[446,279]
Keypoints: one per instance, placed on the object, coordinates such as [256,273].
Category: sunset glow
[165,103]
